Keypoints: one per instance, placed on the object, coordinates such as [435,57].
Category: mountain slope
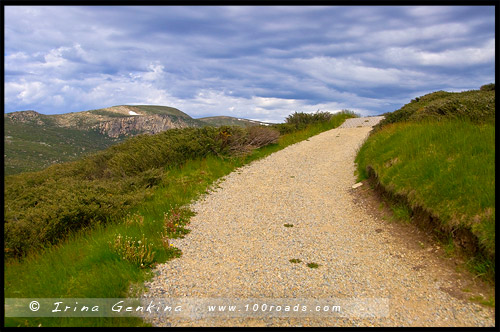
[38,143]
[34,141]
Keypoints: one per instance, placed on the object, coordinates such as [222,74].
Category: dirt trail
[239,251]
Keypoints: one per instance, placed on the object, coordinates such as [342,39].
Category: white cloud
[352,72]
[463,56]
[466,56]
[429,11]
[155,72]
[27,92]
[55,57]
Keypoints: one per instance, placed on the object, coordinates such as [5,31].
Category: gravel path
[239,251]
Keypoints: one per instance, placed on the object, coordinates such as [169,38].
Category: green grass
[490,302]
[85,264]
[401,212]
[437,154]
[446,167]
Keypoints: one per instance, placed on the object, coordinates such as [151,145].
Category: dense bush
[299,121]
[308,118]
[488,87]
[251,138]
[44,207]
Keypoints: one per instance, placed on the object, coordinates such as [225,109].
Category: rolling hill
[34,141]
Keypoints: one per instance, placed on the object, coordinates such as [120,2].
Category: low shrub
[252,138]
[308,118]
[488,87]
[299,121]
[285,128]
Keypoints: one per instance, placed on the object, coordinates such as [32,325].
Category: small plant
[138,252]
[295,260]
[401,212]
[171,223]
[164,241]
[313,265]
[135,218]
[174,222]
[480,299]
[288,225]
[449,247]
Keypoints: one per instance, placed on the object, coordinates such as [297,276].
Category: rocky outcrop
[26,117]
[113,122]
[134,125]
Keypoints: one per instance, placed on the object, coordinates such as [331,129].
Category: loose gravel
[239,248]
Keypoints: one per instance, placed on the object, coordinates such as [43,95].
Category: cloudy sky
[260,63]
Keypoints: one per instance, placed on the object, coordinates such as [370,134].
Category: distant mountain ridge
[231,121]
[34,141]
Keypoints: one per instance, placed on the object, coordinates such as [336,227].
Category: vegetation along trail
[286,229]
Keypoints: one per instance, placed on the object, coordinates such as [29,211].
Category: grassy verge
[103,261]
[446,168]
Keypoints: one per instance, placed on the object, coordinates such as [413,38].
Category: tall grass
[86,265]
[446,167]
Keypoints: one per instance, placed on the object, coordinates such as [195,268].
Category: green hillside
[34,141]
[436,155]
[165,110]
[30,146]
